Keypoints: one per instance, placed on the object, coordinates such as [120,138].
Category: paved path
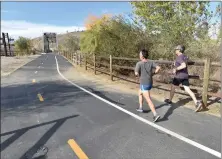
[42,107]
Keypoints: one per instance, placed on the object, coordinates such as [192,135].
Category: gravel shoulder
[11,64]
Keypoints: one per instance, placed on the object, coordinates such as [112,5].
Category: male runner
[144,70]
[182,76]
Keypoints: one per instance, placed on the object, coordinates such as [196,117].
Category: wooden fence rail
[79,59]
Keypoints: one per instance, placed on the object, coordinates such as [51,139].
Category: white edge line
[180,137]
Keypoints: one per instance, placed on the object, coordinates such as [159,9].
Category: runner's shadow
[173,107]
[157,107]
[30,154]
[103,96]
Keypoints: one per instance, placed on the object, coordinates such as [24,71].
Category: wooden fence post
[77,58]
[206,81]
[74,57]
[80,60]
[111,67]
[85,61]
[9,46]
[4,43]
[94,62]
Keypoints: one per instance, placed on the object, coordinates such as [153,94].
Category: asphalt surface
[101,131]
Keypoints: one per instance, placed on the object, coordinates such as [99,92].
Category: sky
[31,19]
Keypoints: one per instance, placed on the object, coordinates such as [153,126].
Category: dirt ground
[10,64]
[158,94]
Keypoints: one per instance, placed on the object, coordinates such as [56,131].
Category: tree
[71,43]
[89,41]
[172,23]
[115,36]
[23,45]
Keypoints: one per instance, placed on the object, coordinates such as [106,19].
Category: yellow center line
[78,151]
[40,97]
[33,81]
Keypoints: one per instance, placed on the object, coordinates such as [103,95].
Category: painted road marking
[40,97]
[33,81]
[167,131]
[36,71]
[39,66]
[78,151]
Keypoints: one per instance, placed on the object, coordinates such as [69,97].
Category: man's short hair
[181,48]
[144,52]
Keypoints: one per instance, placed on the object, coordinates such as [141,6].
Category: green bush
[116,36]
[70,43]
[23,46]
[172,24]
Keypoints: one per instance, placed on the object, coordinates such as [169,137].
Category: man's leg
[172,91]
[175,83]
[140,99]
[140,94]
[146,95]
[192,95]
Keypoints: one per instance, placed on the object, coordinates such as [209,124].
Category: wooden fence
[6,46]
[91,61]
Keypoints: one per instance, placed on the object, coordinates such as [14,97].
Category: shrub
[23,46]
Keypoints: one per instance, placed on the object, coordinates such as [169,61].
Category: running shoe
[168,101]
[198,106]
[139,109]
[156,118]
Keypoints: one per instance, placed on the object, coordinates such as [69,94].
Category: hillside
[37,42]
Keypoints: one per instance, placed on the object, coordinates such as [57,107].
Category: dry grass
[10,64]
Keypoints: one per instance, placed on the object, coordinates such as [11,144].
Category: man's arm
[157,68]
[183,64]
[137,69]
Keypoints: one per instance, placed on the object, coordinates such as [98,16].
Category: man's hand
[174,71]
[182,66]
[157,69]
[136,73]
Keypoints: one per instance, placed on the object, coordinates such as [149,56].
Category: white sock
[154,113]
